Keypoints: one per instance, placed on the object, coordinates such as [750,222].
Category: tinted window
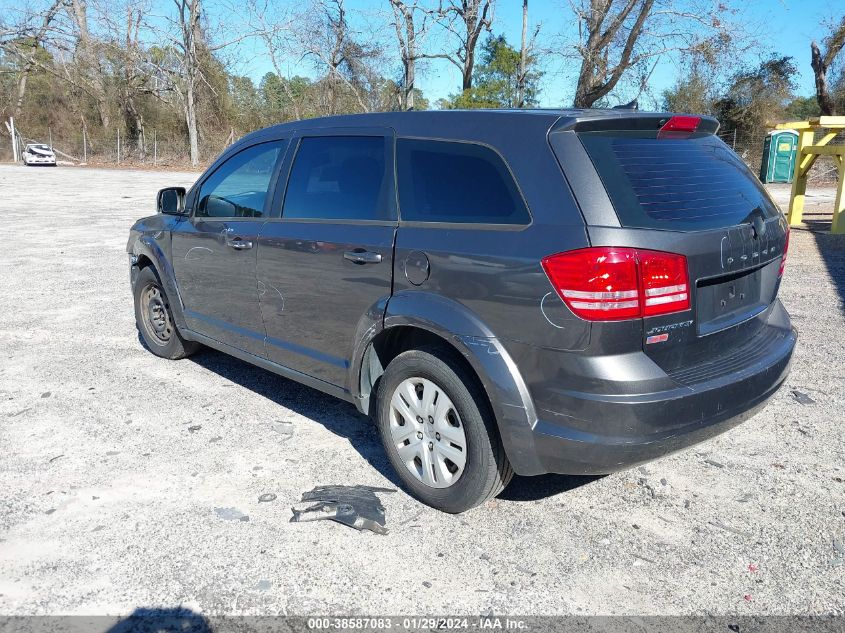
[441,181]
[338,177]
[238,188]
[675,183]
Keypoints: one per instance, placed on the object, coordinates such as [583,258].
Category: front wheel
[154,319]
[439,432]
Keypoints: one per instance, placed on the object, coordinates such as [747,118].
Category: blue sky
[785,27]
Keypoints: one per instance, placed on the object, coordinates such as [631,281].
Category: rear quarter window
[447,181]
[694,183]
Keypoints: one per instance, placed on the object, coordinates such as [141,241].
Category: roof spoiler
[624,120]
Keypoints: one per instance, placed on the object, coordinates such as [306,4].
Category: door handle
[360,256]
[239,244]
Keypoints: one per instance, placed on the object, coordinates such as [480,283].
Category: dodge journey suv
[571,291]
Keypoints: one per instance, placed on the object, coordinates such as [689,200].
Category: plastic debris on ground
[355,506]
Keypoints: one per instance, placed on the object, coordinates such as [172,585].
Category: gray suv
[564,291]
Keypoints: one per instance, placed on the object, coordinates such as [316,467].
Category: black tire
[487,470]
[154,319]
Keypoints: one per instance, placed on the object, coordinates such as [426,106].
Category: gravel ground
[115,463]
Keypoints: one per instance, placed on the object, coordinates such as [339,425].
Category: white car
[39,154]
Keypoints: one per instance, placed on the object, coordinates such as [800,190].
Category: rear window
[694,183]
[444,181]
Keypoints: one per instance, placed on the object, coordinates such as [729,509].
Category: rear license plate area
[725,301]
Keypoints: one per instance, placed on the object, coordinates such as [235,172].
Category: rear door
[687,192]
[214,250]
[325,258]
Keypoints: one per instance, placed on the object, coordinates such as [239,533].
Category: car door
[214,249]
[325,258]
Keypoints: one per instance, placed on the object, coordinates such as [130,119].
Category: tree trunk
[410,78]
[467,72]
[29,64]
[826,104]
[89,61]
[596,78]
[22,88]
[410,62]
[191,121]
[134,126]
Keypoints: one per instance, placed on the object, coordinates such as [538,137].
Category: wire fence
[153,150]
[170,151]
[749,147]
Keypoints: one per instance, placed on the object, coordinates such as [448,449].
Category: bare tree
[618,36]
[27,49]
[329,41]
[181,65]
[821,63]
[465,21]
[88,59]
[134,75]
[525,50]
[409,33]
[604,29]
[275,26]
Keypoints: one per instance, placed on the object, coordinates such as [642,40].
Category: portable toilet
[779,151]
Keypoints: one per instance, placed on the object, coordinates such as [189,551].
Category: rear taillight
[615,283]
[785,250]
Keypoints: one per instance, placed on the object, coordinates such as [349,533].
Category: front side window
[238,188]
[443,181]
[339,178]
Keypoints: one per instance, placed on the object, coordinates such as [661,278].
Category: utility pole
[14,138]
[118,146]
[84,146]
[523,58]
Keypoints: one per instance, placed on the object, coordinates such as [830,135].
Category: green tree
[802,108]
[757,96]
[496,78]
[692,93]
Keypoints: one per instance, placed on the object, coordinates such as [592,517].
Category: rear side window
[693,183]
[238,188]
[442,181]
[339,178]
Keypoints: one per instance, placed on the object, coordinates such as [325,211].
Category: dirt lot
[110,499]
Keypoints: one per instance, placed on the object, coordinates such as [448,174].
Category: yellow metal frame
[808,150]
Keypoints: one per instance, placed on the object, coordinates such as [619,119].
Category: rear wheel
[154,319]
[438,431]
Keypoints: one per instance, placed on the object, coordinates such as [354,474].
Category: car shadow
[543,486]
[344,420]
[337,416]
[162,620]
[831,247]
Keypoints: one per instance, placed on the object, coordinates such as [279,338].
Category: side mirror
[171,201]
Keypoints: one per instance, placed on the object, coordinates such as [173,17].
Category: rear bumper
[589,433]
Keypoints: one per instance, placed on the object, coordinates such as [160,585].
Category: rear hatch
[676,187]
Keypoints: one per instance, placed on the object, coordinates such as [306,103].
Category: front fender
[499,375]
[152,246]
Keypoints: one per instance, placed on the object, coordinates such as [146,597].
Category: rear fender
[499,376]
